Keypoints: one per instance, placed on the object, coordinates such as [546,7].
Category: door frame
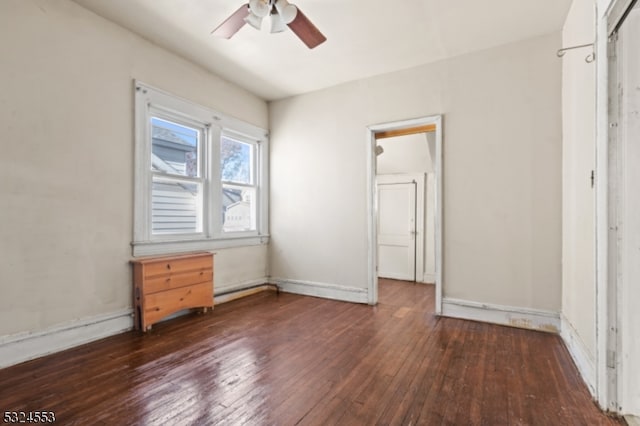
[372,200]
[608,202]
[613,250]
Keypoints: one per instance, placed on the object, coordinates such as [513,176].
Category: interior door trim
[371,131]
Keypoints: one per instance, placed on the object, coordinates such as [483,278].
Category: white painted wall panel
[405,154]
[66,117]
[502,173]
[578,202]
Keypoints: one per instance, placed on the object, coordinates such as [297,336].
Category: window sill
[153,248]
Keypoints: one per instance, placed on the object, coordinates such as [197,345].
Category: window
[176,178]
[239,188]
[200,177]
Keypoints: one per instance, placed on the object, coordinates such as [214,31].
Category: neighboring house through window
[200,177]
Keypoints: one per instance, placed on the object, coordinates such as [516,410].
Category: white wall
[502,173]
[405,154]
[66,116]
[578,201]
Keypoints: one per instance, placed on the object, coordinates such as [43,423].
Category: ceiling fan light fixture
[254,20]
[260,8]
[277,24]
[286,11]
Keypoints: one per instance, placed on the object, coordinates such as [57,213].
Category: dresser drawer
[177,265]
[171,281]
[158,305]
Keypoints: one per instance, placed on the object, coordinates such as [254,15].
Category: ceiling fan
[281,13]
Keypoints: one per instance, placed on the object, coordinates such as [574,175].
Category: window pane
[174,148]
[238,209]
[236,161]
[176,206]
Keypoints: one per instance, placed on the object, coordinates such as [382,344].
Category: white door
[397,230]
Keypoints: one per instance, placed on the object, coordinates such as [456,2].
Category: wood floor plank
[282,359]
[494,403]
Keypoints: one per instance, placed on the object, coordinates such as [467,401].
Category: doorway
[396,212]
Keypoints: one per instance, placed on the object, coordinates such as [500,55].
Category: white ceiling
[364,38]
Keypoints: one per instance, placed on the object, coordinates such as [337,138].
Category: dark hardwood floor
[283,359]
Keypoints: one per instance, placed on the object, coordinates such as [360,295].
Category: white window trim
[148,98]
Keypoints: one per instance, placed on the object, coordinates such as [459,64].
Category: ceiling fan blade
[233,23]
[306,31]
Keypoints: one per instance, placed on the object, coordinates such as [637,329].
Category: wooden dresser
[168,284]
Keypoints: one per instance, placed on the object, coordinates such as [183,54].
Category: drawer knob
[168,266]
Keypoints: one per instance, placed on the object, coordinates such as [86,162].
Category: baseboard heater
[229,295]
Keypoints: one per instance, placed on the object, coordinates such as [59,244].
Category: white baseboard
[632,420]
[324,290]
[22,347]
[532,319]
[429,278]
[581,357]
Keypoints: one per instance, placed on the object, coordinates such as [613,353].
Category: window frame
[151,102]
